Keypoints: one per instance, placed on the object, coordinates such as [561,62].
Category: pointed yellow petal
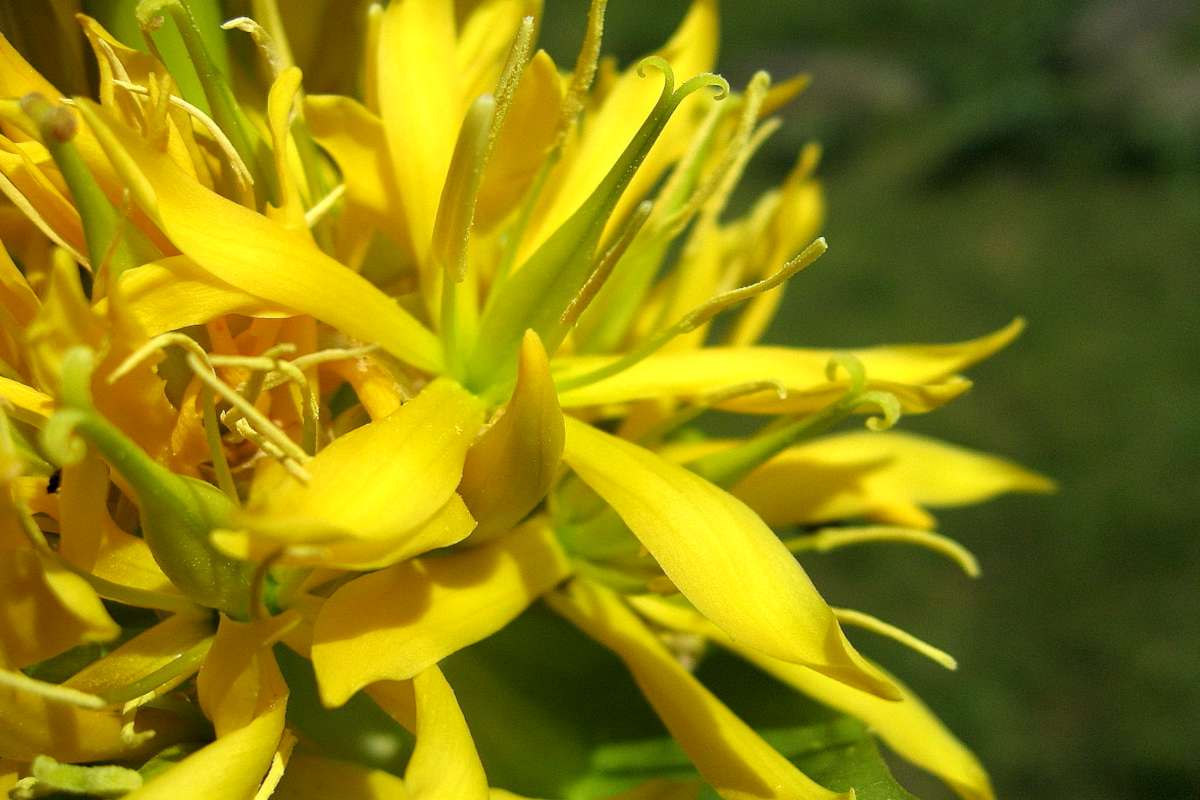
[907,725]
[884,476]
[509,470]
[231,768]
[311,777]
[16,296]
[240,680]
[729,755]
[280,100]
[174,293]
[392,624]
[420,104]
[921,376]
[27,404]
[377,482]
[719,554]
[354,137]
[68,612]
[444,763]
[256,255]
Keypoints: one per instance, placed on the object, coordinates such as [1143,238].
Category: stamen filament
[828,539]
[696,318]
[51,691]
[858,619]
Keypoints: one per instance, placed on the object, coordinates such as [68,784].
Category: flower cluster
[385,392]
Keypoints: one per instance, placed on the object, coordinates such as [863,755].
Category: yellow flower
[371,377]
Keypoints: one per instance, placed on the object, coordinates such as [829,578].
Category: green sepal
[177,513]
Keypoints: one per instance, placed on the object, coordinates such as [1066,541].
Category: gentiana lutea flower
[367,381]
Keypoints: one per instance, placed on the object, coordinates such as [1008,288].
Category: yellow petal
[485,40]
[921,376]
[31,724]
[907,725]
[27,404]
[256,255]
[354,137]
[379,481]
[510,469]
[44,609]
[392,624]
[16,297]
[280,100]
[719,554]
[143,655]
[311,777]
[529,131]
[890,477]
[420,104]
[729,755]
[231,768]
[444,763]
[175,293]
[29,187]
[240,680]
[691,50]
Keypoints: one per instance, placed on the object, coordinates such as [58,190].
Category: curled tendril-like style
[705,80]
[60,442]
[662,65]
[888,405]
[854,370]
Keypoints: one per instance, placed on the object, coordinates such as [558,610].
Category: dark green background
[983,161]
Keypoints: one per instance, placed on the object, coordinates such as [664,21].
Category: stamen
[217,90]
[241,172]
[604,268]
[146,686]
[263,426]
[370,60]
[832,538]
[323,206]
[510,76]
[677,420]
[262,40]
[212,435]
[858,619]
[456,210]
[585,70]
[51,691]
[696,318]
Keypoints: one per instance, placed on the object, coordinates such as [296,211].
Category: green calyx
[177,513]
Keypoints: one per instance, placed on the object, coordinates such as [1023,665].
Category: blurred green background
[985,160]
